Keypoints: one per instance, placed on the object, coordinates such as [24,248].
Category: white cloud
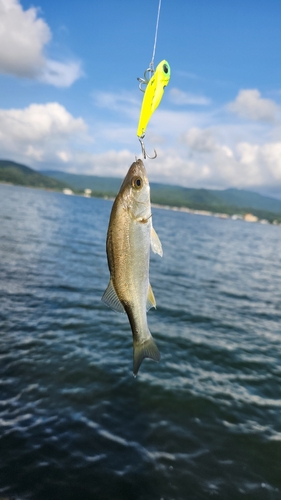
[34,153]
[170,123]
[39,132]
[60,74]
[112,163]
[200,140]
[115,100]
[38,122]
[249,104]
[194,149]
[264,158]
[127,106]
[127,103]
[64,156]
[246,165]
[186,74]
[181,98]
[23,37]
[116,163]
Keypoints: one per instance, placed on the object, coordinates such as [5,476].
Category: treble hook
[145,155]
[145,79]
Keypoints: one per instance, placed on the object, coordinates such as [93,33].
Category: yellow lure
[153,95]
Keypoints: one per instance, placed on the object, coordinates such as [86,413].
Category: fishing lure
[153,94]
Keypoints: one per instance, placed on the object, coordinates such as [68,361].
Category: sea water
[74,423]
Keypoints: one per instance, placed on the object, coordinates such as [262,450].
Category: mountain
[15,173]
[242,198]
[228,201]
[99,185]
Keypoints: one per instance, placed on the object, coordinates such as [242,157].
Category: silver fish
[129,238]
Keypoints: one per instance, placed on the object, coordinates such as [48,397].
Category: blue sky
[69,97]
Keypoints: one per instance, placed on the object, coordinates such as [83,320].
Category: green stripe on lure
[153,95]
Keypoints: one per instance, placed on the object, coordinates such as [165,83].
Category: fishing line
[155,38]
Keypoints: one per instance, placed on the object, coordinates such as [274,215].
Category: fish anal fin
[111,299]
[155,242]
[151,302]
[147,349]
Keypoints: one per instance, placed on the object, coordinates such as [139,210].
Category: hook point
[145,155]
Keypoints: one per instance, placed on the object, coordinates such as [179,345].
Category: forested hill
[100,186]
[20,175]
[229,201]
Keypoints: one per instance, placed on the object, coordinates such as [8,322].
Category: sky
[69,96]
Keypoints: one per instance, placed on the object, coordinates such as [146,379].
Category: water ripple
[74,423]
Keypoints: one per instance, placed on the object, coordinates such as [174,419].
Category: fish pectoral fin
[110,298]
[150,302]
[155,242]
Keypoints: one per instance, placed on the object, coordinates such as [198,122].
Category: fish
[130,236]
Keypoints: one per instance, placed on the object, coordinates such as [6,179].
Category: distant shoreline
[246,218]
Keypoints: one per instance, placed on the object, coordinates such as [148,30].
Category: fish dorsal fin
[155,242]
[151,302]
[110,298]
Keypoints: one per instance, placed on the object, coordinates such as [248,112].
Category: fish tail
[147,349]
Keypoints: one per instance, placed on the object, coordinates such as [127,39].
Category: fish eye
[137,182]
[165,68]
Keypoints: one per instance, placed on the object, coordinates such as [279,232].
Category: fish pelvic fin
[147,349]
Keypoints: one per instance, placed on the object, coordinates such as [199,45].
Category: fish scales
[129,238]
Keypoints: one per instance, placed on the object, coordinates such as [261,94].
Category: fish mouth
[138,168]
